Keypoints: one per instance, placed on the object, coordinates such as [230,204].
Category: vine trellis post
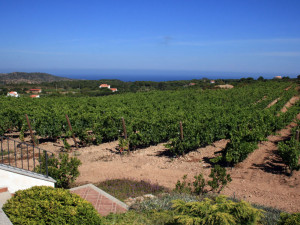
[30,129]
[70,127]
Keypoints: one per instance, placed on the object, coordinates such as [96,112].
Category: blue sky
[82,37]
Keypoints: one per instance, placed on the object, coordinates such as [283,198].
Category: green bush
[219,180]
[289,219]
[289,151]
[46,205]
[63,169]
[219,211]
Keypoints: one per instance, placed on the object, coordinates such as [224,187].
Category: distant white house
[13,94]
[104,86]
[212,81]
[278,77]
[36,91]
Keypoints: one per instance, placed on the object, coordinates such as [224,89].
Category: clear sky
[246,36]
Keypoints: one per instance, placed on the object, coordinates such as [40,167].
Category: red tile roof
[104,85]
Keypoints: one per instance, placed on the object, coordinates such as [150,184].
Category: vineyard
[239,114]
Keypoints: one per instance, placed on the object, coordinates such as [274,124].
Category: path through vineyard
[259,179]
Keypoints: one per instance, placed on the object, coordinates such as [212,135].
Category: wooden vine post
[124,128]
[297,135]
[70,127]
[30,129]
[181,130]
[125,132]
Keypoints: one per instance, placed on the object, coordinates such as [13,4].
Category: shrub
[164,202]
[183,186]
[218,211]
[46,205]
[63,169]
[219,178]
[289,219]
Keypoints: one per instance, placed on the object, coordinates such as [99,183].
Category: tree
[261,78]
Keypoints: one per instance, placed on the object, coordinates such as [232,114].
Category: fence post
[31,133]
[70,127]
[181,130]
[2,152]
[46,163]
[8,151]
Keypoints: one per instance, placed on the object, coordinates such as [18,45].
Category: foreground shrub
[164,201]
[125,188]
[46,205]
[218,211]
[63,169]
[289,219]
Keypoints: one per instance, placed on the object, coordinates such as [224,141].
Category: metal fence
[24,156]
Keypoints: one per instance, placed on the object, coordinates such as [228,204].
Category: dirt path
[290,103]
[102,162]
[261,177]
[273,103]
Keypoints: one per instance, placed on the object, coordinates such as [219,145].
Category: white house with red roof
[34,96]
[104,86]
[212,81]
[113,89]
[13,94]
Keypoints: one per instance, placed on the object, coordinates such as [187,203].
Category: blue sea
[142,75]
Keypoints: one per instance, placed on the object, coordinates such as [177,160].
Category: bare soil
[290,103]
[273,103]
[262,178]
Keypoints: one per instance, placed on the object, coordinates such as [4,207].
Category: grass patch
[125,188]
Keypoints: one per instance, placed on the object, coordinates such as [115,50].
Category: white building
[13,94]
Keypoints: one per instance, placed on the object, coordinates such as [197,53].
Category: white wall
[17,181]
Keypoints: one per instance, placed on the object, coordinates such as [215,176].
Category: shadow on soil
[273,165]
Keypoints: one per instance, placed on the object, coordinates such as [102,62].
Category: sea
[163,75]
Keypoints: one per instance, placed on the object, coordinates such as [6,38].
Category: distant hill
[31,78]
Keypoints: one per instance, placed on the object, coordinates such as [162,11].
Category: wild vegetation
[63,169]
